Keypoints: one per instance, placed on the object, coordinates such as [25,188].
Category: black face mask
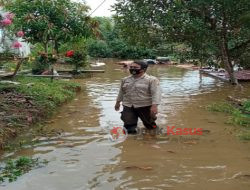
[135,71]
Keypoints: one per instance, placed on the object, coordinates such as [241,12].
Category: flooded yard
[82,156]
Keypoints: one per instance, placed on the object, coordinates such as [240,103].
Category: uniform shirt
[139,92]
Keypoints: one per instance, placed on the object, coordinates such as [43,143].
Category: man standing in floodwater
[140,95]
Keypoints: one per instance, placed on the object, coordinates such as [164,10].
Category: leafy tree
[98,48]
[209,27]
[106,27]
[42,63]
[111,44]
[57,21]
[245,59]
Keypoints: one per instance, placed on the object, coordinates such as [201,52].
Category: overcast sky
[104,10]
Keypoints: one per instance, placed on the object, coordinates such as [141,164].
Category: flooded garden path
[82,157]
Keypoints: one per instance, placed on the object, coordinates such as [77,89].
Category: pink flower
[9,16]
[17,45]
[20,33]
[6,22]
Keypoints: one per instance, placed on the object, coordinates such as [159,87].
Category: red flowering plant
[70,53]
[78,58]
[20,33]
[17,44]
[6,22]
[77,55]
[10,34]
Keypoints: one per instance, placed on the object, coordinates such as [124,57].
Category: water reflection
[81,156]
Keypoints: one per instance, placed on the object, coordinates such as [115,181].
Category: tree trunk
[46,47]
[225,52]
[202,56]
[227,62]
[17,67]
[56,47]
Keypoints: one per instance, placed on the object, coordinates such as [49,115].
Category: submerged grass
[12,169]
[245,135]
[224,107]
[238,115]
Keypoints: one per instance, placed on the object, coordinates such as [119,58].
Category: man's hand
[154,109]
[117,106]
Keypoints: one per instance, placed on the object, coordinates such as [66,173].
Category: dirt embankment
[30,102]
[18,113]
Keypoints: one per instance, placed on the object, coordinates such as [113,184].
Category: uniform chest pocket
[142,87]
[126,86]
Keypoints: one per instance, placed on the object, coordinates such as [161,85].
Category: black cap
[143,64]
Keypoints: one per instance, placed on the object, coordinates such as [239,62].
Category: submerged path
[82,157]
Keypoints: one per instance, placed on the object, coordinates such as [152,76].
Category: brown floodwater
[82,157]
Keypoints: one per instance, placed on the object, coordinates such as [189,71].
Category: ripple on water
[82,157]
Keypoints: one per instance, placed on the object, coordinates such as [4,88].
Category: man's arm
[119,98]
[156,95]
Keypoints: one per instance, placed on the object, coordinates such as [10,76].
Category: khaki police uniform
[137,96]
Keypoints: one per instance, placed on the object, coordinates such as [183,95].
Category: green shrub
[117,48]
[246,106]
[238,116]
[77,53]
[43,63]
[245,59]
[36,49]
[98,48]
